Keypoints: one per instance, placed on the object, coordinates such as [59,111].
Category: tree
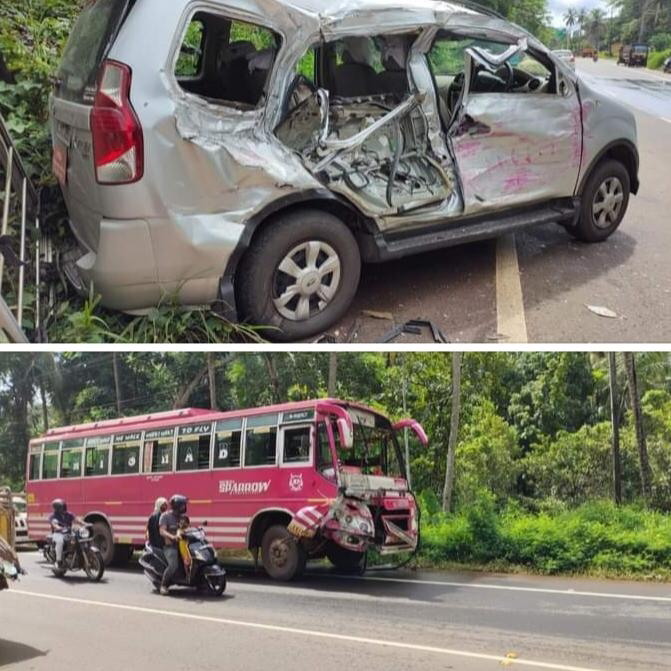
[454,431]
[615,428]
[570,19]
[333,374]
[635,401]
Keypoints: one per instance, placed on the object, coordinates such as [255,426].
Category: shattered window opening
[374,148]
[232,63]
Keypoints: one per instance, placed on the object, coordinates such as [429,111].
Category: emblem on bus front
[296,482]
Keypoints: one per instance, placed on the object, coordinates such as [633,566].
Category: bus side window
[34,462]
[227,447]
[71,463]
[161,456]
[193,452]
[324,457]
[125,458]
[296,445]
[261,441]
[50,461]
[97,461]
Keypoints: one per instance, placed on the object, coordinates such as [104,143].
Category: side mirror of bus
[346,434]
[415,427]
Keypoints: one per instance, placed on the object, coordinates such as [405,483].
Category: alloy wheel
[306,281]
[607,203]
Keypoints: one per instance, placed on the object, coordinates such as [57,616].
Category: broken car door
[516,128]
[363,133]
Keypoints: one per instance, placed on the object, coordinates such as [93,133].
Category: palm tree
[570,18]
[583,18]
[596,20]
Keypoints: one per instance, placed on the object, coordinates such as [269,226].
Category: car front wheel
[299,275]
[604,202]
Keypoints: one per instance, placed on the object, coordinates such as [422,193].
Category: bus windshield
[375,451]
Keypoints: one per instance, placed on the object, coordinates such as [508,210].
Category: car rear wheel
[299,275]
[604,202]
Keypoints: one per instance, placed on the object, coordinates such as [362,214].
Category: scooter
[205,573]
[79,553]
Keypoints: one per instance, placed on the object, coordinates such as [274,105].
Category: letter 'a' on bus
[289,482]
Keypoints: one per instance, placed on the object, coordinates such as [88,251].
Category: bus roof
[172,418]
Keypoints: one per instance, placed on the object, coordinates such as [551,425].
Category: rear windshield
[87,46]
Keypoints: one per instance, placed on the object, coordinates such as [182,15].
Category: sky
[557,8]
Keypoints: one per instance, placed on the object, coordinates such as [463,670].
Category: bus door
[326,448]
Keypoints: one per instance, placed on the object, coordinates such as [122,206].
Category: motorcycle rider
[169,530]
[61,522]
[153,535]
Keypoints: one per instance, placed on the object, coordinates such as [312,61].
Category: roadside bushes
[597,538]
[656,59]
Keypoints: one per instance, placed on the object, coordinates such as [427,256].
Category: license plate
[59,164]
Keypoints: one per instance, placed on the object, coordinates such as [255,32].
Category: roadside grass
[656,59]
[596,539]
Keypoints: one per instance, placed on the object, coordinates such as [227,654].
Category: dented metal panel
[212,167]
[517,148]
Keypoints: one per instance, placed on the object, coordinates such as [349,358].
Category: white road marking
[512,588]
[510,319]
[667,120]
[502,659]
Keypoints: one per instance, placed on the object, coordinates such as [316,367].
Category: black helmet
[59,505]
[178,504]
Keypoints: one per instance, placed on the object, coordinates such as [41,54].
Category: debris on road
[602,311]
[414,327]
[378,315]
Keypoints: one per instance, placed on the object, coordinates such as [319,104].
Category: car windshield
[375,451]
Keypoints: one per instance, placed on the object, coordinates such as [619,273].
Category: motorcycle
[205,573]
[79,553]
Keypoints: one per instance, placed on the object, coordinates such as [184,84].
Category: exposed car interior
[525,72]
[226,61]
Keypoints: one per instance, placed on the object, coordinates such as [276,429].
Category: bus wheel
[283,558]
[344,559]
[102,538]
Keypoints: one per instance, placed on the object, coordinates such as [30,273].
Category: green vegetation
[627,21]
[656,60]
[533,478]
[596,538]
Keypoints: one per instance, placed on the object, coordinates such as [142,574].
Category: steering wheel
[509,75]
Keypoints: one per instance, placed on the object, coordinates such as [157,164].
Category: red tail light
[118,149]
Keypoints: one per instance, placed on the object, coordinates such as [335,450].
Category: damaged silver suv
[250,154]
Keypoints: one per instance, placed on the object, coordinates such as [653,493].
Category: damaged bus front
[374,508]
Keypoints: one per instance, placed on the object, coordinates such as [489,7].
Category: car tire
[604,202]
[282,555]
[308,243]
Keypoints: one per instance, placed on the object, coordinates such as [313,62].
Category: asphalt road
[400,620]
[537,286]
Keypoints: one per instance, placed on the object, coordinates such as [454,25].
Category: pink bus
[289,482]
